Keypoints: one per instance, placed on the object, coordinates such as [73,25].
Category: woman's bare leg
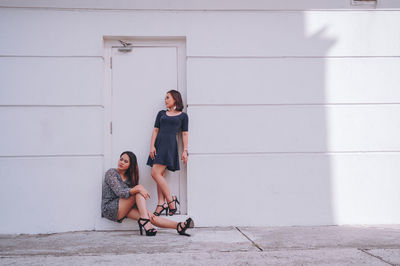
[163,222]
[157,221]
[161,197]
[133,214]
[141,205]
[124,206]
[125,209]
[161,200]
[157,174]
[142,210]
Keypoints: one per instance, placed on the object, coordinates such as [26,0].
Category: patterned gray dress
[114,188]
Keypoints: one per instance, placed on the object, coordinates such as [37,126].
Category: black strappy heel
[182,230]
[163,208]
[150,232]
[173,211]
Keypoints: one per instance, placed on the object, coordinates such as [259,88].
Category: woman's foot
[183,226]
[172,205]
[160,208]
[147,226]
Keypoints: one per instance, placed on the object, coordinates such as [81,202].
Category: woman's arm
[185,137]
[157,125]
[152,143]
[112,181]
[139,189]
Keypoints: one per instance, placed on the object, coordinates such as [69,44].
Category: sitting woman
[123,197]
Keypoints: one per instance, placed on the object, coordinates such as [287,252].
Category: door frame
[110,42]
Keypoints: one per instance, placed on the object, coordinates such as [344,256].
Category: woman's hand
[151,216]
[153,152]
[143,191]
[184,156]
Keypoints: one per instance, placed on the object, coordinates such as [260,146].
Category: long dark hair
[177,98]
[133,170]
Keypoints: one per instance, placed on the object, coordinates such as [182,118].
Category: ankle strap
[172,201]
[143,219]
[179,225]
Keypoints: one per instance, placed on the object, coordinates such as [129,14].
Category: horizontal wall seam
[52,105]
[51,156]
[55,56]
[357,8]
[205,154]
[216,57]
[291,153]
[286,104]
[289,57]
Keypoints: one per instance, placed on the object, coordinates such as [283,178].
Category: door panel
[140,80]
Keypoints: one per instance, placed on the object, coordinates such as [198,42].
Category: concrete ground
[322,245]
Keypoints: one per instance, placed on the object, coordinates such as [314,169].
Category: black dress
[166,144]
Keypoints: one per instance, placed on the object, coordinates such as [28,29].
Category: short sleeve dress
[166,144]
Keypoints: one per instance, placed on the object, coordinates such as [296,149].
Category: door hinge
[111,62]
[110,127]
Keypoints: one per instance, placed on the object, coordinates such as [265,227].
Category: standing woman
[164,149]
[123,197]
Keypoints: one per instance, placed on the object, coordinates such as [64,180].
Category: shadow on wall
[304,137]
[297,128]
[273,143]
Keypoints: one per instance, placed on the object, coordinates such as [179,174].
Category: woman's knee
[154,173]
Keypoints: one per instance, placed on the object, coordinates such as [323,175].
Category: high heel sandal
[182,231]
[150,232]
[173,211]
[163,208]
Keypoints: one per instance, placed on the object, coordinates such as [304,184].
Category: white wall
[293,110]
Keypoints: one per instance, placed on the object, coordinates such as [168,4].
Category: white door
[139,81]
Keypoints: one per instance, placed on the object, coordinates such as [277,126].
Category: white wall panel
[51,81]
[293,80]
[365,188]
[43,195]
[50,33]
[294,189]
[288,128]
[51,131]
[74,33]
[363,128]
[295,34]
[319,33]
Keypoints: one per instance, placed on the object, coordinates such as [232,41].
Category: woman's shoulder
[184,114]
[161,112]
[111,171]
